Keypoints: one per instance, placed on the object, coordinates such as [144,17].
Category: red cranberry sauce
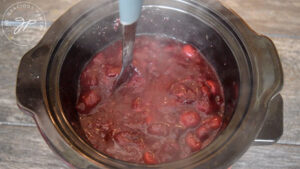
[172,106]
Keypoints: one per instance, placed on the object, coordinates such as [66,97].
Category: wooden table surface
[22,147]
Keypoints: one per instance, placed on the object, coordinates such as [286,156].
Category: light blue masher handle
[130,11]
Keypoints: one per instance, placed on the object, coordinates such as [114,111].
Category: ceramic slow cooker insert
[246,63]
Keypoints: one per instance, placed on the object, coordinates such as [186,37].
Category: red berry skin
[214,123]
[91,99]
[213,86]
[87,101]
[190,119]
[182,93]
[193,142]
[202,133]
[205,91]
[149,158]
[204,106]
[189,51]
[179,90]
[208,126]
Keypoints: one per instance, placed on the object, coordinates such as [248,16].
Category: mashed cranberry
[172,106]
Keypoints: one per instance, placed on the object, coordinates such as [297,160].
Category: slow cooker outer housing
[38,95]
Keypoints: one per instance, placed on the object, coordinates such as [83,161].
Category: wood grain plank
[10,56]
[23,147]
[51,9]
[270,157]
[271,17]
[289,52]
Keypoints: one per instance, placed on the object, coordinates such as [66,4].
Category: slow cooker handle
[273,125]
[28,85]
[270,82]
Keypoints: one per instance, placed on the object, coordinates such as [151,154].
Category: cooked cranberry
[184,94]
[202,132]
[213,122]
[204,105]
[87,101]
[212,86]
[190,97]
[191,84]
[178,90]
[189,50]
[112,71]
[193,142]
[91,98]
[205,90]
[190,119]
[149,158]
[218,100]
[80,107]
[158,129]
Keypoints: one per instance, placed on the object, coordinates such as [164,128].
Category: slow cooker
[247,64]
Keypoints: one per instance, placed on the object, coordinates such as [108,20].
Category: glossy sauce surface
[171,107]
